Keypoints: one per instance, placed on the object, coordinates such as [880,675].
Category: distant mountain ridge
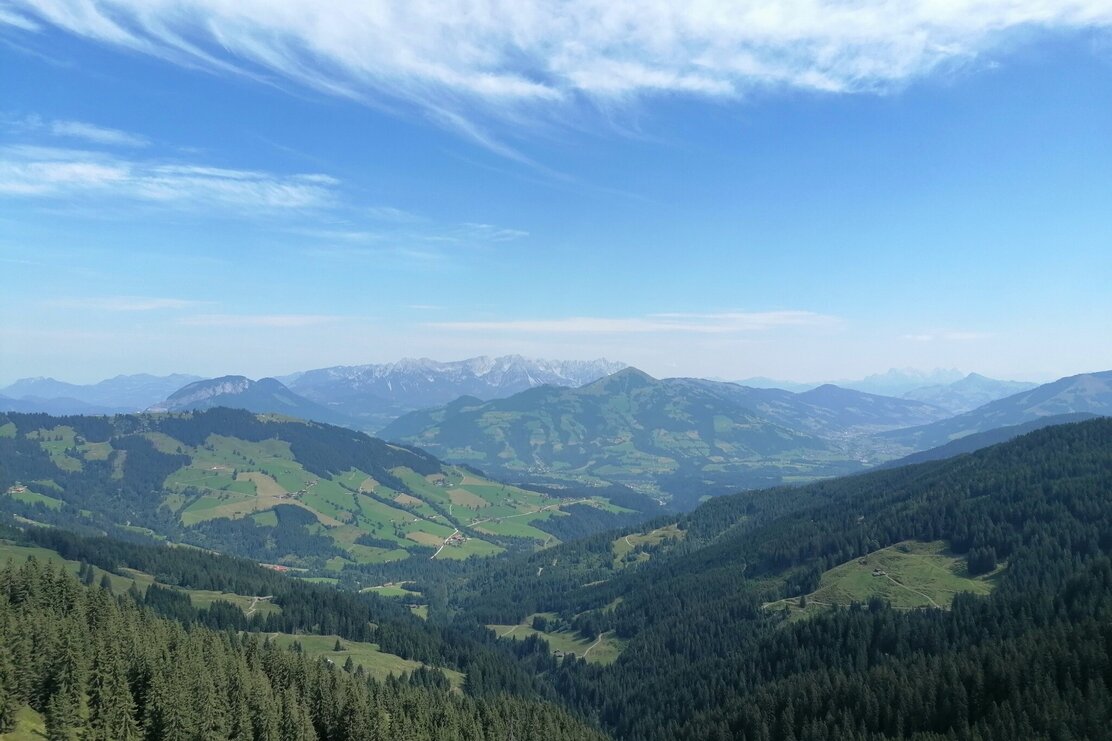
[827,410]
[1085,392]
[124,393]
[265,396]
[376,394]
[967,393]
[674,436]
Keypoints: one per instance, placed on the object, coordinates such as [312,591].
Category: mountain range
[1083,393]
[948,389]
[124,393]
[967,393]
[663,437]
[376,394]
[674,436]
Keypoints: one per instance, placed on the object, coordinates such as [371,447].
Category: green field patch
[370,554]
[203,598]
[29,726]
[95,451]
[330,498]
[470,547]
[28,496]
[393,589]
[406,500]
[59,442]
[909,575]
[19,553]
[604,650]
[375,662]
[423,538]
[266,519]
[517,526]
[163,443]
[624,547]
[142,531]
[464,498]
[8,429]
[263,485]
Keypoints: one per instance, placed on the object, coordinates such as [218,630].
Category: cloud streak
[96,134]
[49,172]
[514,60]
[124,303]
[282,321]
[712,324]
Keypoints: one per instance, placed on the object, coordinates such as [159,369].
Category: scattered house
[879,572]
[17,489]
[275,567]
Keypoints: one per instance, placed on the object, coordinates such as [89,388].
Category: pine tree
[62,718]
[7,689]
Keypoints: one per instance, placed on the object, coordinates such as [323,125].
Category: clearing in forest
[908,575]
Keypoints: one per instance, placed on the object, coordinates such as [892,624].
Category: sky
[805,190]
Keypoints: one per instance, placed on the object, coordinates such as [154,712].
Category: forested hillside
[675,439]
[78,662]
[707,655]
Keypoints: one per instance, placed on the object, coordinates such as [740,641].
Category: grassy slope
[233,478]
[626,544]
[915,575]
[603,651]
[376,663]
[121,583]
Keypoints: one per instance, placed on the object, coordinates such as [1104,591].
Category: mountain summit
[377,394]
[267,395]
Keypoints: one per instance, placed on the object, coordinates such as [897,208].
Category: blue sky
[821,192]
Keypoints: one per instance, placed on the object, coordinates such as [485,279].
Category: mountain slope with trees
[103,667]
[675,438]
[704,659]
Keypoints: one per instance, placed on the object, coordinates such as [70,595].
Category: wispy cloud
[96,134]
[49,172]
[719,323]
[88,132]
[489,233]
[258,320]
[392,215]
[8,18]
[124,303]
[512,60]
[948,336]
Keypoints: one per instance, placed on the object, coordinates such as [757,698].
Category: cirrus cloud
[460,61]
[50,172]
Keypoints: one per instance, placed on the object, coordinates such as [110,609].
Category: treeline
[491,667]
[103,668]
[706,660]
